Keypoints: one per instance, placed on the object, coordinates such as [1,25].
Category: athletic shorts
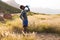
[25,23]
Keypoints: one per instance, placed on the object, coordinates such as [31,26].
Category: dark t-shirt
[24,13]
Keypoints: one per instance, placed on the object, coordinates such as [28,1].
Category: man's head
[22,7]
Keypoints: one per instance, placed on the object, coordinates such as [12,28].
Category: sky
[53,4]
[49,4]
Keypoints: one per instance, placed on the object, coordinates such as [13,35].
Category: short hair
[22,6]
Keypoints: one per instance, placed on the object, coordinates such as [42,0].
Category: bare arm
[28,9]
[21,16]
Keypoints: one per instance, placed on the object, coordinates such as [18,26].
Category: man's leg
[25,24]
[25,28]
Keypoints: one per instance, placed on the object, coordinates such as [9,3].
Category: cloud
[53,4]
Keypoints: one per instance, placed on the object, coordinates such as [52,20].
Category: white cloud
[53,4]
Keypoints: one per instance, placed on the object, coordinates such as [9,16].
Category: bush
[43,18]
[7,16]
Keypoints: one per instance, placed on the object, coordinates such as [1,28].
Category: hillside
[13,3]
[7,8]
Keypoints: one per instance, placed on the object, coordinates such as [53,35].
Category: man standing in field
[23,16]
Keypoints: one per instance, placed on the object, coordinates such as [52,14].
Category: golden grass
[38,23]
[13,36]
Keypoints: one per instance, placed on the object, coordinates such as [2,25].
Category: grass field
[10,29]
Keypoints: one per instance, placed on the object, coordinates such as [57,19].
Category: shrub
[7,16]
[43,18]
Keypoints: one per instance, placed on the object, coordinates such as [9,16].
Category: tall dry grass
[39,23]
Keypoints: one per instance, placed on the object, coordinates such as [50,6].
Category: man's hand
[27,6]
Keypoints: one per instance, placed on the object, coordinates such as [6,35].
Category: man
[23,16]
